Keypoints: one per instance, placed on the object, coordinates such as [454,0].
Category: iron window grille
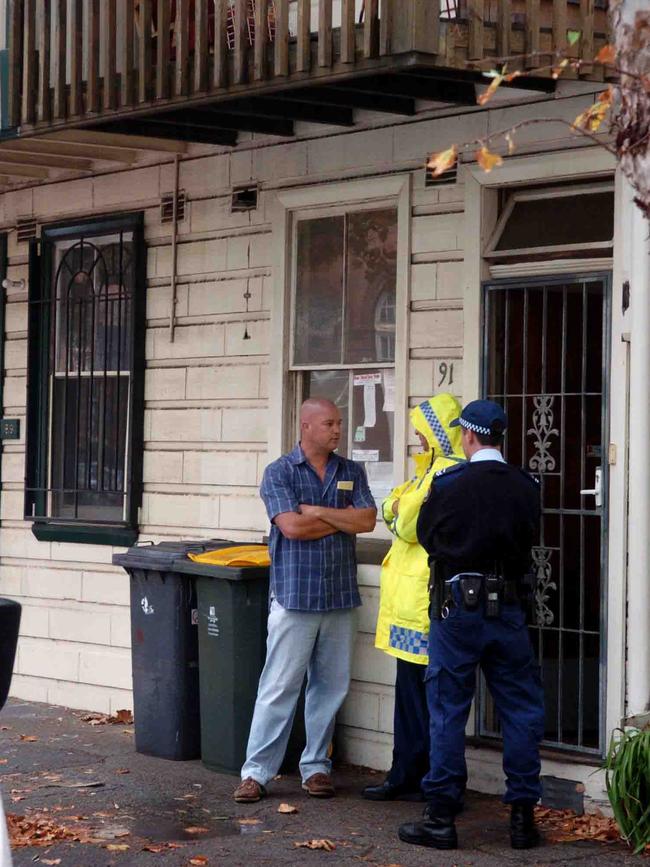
[86,379]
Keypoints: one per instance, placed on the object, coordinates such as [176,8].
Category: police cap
[484,417]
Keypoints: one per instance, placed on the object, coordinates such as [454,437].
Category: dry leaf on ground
[117,847]
[120,717]
[52,861]
[248,821]
[28,738]
[196,829]
[287,808]
[564,826]
[198,859]
[122,771]
[37,829]
[327,845]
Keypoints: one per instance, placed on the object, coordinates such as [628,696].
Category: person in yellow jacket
[403,622]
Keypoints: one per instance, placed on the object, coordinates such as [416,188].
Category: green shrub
[627,776]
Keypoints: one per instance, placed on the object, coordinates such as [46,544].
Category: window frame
[285,379]
[39,428]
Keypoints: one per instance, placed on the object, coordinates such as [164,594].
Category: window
[565,220]
[345,273]
[86,368]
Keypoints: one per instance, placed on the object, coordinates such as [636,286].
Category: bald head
[320,426]
[315,406]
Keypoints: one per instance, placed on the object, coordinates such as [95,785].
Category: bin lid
[230,573]
[238,555]
[162,556]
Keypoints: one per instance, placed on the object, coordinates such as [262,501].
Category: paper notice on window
[365,455]
[369,405]
[367,378]
[389,391]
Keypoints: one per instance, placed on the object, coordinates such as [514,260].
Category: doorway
[545,358]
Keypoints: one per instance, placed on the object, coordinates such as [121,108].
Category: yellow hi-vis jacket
[403,622]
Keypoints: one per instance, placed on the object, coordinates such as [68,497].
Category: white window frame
[325,200]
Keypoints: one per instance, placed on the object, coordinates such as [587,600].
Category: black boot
[523,833]
[436,830]
[388,792]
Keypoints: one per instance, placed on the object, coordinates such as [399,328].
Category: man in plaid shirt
[317,502]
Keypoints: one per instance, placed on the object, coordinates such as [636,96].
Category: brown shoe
[249,791]
[319,786]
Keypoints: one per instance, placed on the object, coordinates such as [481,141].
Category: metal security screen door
[546,359]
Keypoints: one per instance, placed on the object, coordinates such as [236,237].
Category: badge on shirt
[345,486]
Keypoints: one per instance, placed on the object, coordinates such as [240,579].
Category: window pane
[368,433]
[93,285]
[573,219]
[89,447]
[319,291]
[371,270]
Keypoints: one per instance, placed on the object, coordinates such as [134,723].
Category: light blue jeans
[319,644]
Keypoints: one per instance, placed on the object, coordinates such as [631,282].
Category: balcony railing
[72,61]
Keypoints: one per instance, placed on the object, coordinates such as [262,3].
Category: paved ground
[77,770]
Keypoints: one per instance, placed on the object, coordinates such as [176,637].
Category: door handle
[597,490]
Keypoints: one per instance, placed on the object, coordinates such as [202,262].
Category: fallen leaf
[117,847]
[5,728]
[440,162]
[122,771]
[487,160]
[153,847]
[607,54]
[52,861]
[196,829]
[249,821]
[29,738]
[122,716]
[287,808]
[199,859]
[327,845]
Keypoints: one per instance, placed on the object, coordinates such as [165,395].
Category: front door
[546,361]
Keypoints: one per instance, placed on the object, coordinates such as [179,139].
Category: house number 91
[445,373]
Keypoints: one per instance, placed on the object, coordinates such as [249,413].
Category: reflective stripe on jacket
[403,621]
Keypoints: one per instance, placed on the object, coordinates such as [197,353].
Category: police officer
[478,526]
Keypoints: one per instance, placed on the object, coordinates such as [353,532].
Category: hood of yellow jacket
[432,419]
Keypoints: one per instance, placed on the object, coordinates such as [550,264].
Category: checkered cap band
[477,428]
[436,426]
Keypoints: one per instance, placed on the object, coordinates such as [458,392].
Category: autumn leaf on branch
[443,160]
[487,160]
[497,78]
[591,118]
[607,54]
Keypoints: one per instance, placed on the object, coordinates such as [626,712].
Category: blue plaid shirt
[313,574]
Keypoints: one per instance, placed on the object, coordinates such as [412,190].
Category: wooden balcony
[202,70]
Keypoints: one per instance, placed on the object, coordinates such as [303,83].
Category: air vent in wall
[244,199]
[167,207]
[448,177]
[25,229]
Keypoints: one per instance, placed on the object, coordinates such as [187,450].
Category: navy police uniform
[481,517]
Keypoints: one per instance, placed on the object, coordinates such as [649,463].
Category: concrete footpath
[70,777]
